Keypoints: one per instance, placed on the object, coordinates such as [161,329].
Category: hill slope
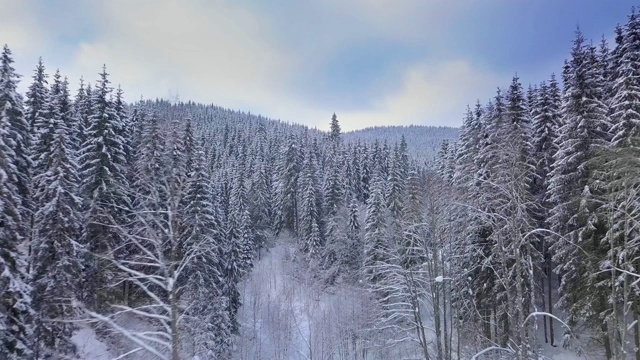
[423,141]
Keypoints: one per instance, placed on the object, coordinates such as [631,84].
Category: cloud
[211,51]
[16,18]
[404,20]
[430,95]
[243,57]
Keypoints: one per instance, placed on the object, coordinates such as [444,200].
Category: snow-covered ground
[288,315]
[89,347]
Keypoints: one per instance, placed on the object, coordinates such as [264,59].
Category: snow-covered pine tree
[20,133]
[334,133]
[376,241]
[625,104]
[365,173]
[16,312]
[333,204]
[309,211]
[36,112]
[545,124]
[36,96]
[441,158]
[288,173]
[56,266]
[515,245]
[200,224]
[613,183]
[584,129]
[468,147]
[481,242]
[104,188]
[398,174]
[261,195]
[239,246]
[616,186]
[243,229]
[124,125]
[150,167]
[334,187]
[81,114]
[353,251]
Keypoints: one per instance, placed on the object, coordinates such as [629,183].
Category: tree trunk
[544,306]
[458,347]
[549,298]
[436,319]
[417,317]
[542,284]
[125,291]
[605,339]
[637,328]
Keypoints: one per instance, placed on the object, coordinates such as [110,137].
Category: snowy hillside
[423,142]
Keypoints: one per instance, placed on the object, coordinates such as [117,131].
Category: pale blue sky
[373,62]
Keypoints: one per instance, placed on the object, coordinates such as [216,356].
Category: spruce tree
[287,187]
[201,228]
[545,125]
[81,113]
[583,131]
[36,113]
[468,146]
[57,268]
[625,106]
[103,172]
[309,211]
[335,129]
[36,96]
[20,134]
[354,249]
[376,242]
[398,174]
[16,310]
[150,168]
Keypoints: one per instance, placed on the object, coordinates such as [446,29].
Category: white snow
[89,347]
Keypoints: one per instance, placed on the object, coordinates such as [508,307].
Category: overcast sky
[373,62]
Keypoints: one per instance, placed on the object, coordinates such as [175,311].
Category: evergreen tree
[36,113]
[201,228]
[309,211]
[58,218]
[335,129]
[545,125]
[468,147]
[287,185]
[82,113]
[103,172]
[353,251]
[16,309]
[334,186]
[625,107]
[19,132]
[375,235]
[398,174]
[150,168]
[262,200]
[584,129]
[36,96]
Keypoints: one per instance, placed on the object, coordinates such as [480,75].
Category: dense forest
[423,142]
[521,237]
